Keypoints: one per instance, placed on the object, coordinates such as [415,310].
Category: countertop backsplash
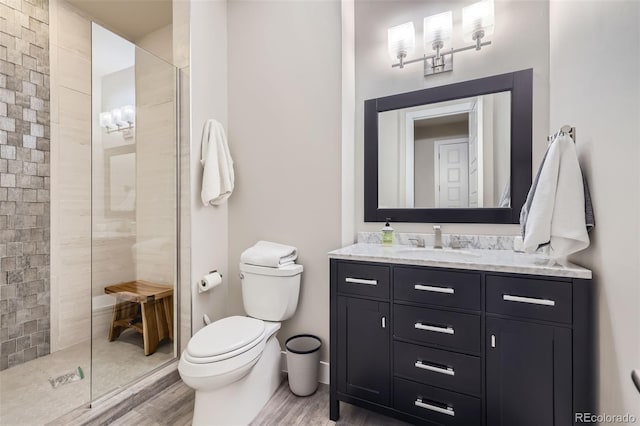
[485,242]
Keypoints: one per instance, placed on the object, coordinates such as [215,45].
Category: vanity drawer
[450,329]
[364,279]
[530,298]
[443,288]
[449,370]
[437,405]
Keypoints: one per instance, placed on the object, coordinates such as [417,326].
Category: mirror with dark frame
[459,153]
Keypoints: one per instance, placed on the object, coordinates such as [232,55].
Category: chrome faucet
[437,243]
[418,241]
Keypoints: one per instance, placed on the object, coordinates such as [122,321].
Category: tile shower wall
[24,181]
[70,177]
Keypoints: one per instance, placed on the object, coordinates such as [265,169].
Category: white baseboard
[323,371]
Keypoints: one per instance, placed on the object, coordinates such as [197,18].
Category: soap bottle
[387,234]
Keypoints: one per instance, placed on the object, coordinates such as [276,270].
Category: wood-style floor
[174,407]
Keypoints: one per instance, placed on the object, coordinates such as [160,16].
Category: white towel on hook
[218,177]
[556,203]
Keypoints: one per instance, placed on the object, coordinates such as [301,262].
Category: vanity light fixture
[118,119]
[477,23]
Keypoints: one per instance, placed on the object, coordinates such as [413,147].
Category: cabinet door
[528,374]
[364,369]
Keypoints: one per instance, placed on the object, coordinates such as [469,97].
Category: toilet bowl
[233,364]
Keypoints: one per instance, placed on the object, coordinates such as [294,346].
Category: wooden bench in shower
[145,307]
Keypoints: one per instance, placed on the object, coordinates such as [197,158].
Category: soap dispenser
[387,234]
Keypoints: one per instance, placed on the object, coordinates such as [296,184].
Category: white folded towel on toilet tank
[266,253]
[218,176]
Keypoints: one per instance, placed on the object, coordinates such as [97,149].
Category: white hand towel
[266,253]
[556,215]
[218,177]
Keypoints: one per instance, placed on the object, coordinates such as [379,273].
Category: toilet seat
[224,339]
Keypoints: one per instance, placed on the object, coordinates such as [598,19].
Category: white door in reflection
[452,173]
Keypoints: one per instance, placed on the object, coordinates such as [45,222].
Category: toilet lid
[225,335]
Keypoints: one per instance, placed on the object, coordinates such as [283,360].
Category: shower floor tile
[27,398]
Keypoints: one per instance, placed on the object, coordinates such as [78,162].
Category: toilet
[233,364]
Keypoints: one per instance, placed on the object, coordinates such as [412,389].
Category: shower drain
[72,376]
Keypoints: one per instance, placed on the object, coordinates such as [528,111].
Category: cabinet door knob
[493,341]
[384,322]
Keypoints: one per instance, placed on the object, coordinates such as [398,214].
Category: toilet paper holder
[202,282]
[215,270]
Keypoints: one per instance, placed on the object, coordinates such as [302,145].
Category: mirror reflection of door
[430,171]
[451,178]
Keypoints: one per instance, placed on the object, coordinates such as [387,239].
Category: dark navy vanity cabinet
[457,347]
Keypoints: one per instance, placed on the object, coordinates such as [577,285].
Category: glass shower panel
[134,212]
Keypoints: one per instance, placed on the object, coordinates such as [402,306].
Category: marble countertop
[475,259]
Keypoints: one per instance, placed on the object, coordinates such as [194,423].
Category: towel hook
[564,130]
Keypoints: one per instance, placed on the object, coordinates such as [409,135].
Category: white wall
[513,49]
[285,138]
[602,103]
[209,225]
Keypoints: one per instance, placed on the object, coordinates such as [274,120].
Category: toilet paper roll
[209,281]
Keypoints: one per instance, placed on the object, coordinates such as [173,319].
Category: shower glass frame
[95,398]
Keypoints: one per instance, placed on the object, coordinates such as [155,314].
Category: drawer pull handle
[448,371]
[448,411]
[434,289]
[445,330]
[530,300]
[361,281]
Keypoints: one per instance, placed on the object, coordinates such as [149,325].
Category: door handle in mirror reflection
[448,371]
[445,330]
[448,411]
[434,289]
[530,300]
[361,281]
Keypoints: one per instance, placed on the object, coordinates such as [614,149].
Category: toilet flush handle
[241,275]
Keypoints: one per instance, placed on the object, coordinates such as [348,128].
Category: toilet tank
[270,294]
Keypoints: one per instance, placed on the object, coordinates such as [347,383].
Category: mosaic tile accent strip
[24,181]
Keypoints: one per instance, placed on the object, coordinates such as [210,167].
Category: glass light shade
[476,17]
[106,119]
[437,28]
[401,40]
[117,116]
[128,113]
